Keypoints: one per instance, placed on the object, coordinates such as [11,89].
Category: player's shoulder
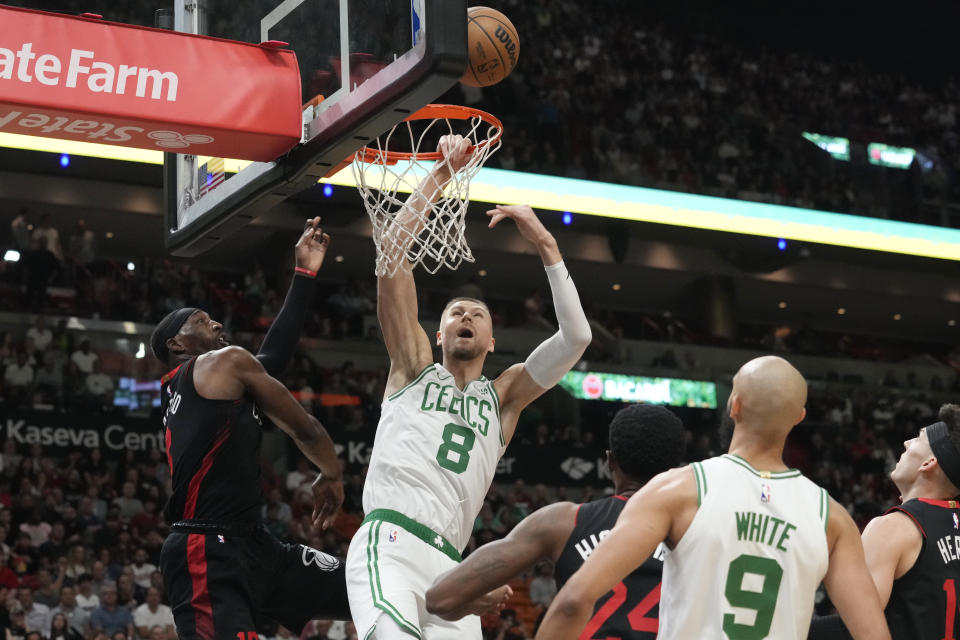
[232,359]
[896,524]
[679,483]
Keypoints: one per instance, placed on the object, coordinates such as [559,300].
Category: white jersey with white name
[753,557]
[435,452]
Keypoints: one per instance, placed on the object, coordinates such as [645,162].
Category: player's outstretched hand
[327,498]
[456,150]
[492,602]
[525,218]
[312,246]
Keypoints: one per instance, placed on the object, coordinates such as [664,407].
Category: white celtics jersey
[435,453]
[750,563]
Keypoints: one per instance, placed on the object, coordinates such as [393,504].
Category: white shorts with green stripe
[389,570]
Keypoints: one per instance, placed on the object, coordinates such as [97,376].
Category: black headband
[168,328]
[948,457]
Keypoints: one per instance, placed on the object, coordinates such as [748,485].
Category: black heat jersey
[923,603]
[213,450]
[631,610]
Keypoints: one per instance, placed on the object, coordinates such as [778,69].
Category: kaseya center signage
[61,432]
[617,387]
[83,79]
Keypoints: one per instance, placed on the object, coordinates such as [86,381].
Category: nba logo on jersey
[956,522]
[764,493]
[393,535]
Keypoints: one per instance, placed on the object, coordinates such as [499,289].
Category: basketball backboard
[365,65]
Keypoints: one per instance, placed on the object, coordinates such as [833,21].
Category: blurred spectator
[47,591]
[18,624]
[37,530]
[8,578]
[76,617]
[83,358]
[62,629]
[86,598]
[509,627]
[127,503]
[99,387]
[543,587]
[50,239]
[20,228]
[36,615]
[152,613]
[56,546]
[18,378]
[40,334]
[109,617]
[48,382]
[283,512]
[142,570]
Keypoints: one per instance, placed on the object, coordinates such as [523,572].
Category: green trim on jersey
[701,477]
[370,633]
[380,602]
[824,507]
[421,531]
[769,475]
[496,405]
[413,382]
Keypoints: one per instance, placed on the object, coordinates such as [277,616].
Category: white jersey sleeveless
[435,453]
[750,563]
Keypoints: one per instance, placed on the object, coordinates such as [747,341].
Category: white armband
[550,361]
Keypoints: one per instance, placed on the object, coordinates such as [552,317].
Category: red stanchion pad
[95,81]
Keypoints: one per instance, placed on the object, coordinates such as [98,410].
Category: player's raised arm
[407,343]
[232,372]
[848,581]
[649,518]
[537,537]
[548,363]
[284,334]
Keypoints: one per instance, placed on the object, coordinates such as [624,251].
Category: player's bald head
[768,393]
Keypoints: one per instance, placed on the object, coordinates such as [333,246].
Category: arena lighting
[64,160]
[141,352]
[131,266]
[628,203]
[782,244]
[567,217]
[11,256]
[328,190]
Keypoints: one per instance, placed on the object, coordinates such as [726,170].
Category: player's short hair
[647,439]
[950,414]
[454,301]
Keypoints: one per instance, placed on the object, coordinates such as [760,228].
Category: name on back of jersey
[447,399]
[764,528]
[949,548]
[585,546]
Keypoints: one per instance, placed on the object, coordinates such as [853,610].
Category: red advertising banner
[93,81]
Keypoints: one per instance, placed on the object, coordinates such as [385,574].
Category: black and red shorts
[222,583]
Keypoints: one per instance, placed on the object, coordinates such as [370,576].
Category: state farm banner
[60,433]
[93,81]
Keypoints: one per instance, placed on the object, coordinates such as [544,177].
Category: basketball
[492,46]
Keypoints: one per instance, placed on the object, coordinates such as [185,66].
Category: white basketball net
[403,236]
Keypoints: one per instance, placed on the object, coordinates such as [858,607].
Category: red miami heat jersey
[213,451]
